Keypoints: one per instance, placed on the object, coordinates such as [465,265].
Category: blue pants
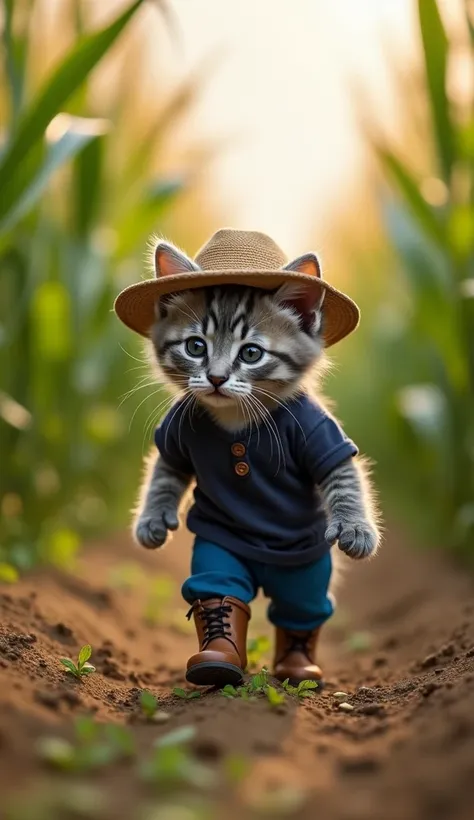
[299,597]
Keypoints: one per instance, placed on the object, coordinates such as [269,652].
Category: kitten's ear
[303,297]
[308,263]
[168,260]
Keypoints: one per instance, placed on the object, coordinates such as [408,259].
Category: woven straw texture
[241,258]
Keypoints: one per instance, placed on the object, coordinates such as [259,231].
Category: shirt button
[242,468]
[238,450]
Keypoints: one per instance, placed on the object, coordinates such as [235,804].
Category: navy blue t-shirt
[253,496]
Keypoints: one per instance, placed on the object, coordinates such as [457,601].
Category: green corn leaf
[78,134]
[423,213]
[70,665]
[84,655]
[15,44]
[50,321]
[88,189]
[436,51]
[60,86]
[180,693]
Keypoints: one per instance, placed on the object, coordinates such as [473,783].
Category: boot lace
[215,625]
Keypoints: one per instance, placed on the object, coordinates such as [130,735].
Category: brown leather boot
[294,656]
[221,626]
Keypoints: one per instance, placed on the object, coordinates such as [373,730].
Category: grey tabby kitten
[288,325]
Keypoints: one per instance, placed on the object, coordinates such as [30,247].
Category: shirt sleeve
[169,441]
[325,448]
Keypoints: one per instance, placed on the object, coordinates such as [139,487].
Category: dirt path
[406,751]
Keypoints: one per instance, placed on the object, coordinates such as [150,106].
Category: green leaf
[62,83]
[8,574]
[180,693]
[193,695]
[148,703]
[87,669]
[79,132]
[176,738]
[229,690]
[306,685]
[257,648]
[51,323]
[436,51]
[16,42]
[422,212]
[274,698]
[70,665]
[88,186]
[84,655]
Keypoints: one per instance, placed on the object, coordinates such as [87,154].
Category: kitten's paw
[152,532]
[358,539]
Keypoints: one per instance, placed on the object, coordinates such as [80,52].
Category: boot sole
[214,674]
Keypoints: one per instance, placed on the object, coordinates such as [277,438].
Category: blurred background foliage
[88,168]
[84,179]
[408,384]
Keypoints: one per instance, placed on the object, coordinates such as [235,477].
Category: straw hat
[240,258]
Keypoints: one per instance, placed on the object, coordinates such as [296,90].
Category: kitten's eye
[250,354]
[196,347]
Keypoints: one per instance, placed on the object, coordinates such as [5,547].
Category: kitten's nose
[217,381]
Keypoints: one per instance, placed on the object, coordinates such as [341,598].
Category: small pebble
[161,717]
[340,695]
[346,707]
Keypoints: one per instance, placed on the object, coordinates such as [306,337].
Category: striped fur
[287,326]
[157,511]
[350,510]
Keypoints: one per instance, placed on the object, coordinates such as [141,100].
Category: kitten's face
[235,345]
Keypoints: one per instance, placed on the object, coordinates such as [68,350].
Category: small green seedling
[274,697]
[148,703]
[230,691]
[257,648]
[94,747]
[258,683]
[304,689]
[359,642]
[173,763]
[182,693]
[83,667]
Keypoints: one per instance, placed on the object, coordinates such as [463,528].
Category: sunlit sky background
[283,95]
[284,90]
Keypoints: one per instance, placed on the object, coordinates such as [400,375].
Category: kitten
[260,348]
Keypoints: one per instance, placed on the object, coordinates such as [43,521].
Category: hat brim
[135,306]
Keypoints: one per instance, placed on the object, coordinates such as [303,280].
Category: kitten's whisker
[185,409]
[155,414]
[276,431]
[170,422]
[274,398]
[266,424]
[198,320]
[142,402]
[142,361]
